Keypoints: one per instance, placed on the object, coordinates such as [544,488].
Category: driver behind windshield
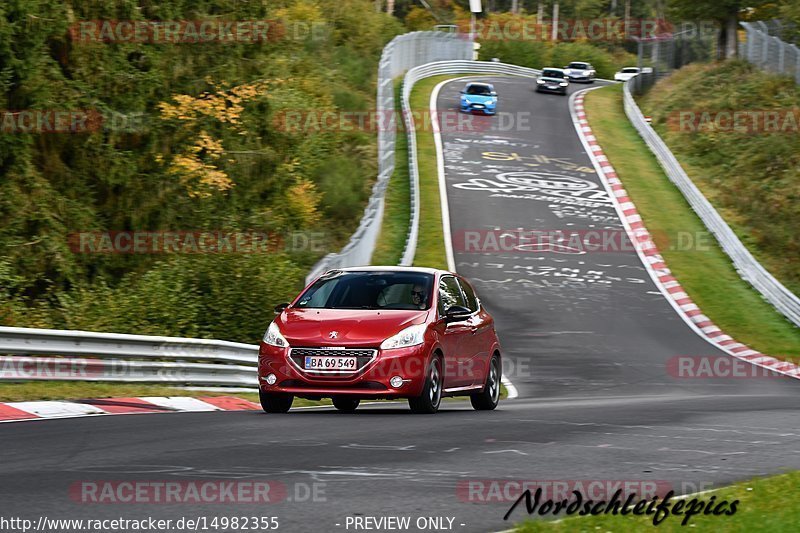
[418,296]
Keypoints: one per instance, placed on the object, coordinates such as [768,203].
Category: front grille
[364,385]
[363,357]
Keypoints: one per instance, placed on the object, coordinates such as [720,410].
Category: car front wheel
[346,405]
[273,402]
[489,397]
[428,402]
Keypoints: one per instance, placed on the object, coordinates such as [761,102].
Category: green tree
[726,13]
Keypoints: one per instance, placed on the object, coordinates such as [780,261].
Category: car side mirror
[463,92]
[280,307]
[456,313]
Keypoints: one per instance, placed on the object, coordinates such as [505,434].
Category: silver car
[579,71]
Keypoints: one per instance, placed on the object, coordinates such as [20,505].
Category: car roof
[579,63]
[553,68]
[394,268]
[480,84]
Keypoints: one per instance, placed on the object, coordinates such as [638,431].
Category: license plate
[478,106]
[552,87]
[330,363]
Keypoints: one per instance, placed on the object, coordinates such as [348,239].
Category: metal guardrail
[411,78]
[402,53]
[769,52]
[124,358]
[748,267]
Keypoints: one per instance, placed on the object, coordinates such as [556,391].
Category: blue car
[479,98]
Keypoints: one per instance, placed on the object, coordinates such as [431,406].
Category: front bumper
[371,381]
[580,78]
[543,88]
[478,108]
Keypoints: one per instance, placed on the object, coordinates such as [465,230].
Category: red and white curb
[654,262]
[41,410]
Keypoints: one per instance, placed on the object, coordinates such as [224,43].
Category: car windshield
[480,90]
[631,70]
[552,74]
[581,66]
[369,290]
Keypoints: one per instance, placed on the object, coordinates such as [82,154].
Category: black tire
[272,402]
[345,404]
[428,402]
[489,397]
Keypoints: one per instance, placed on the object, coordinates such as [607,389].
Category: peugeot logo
[333,334]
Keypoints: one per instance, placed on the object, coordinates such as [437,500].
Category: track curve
[587,338]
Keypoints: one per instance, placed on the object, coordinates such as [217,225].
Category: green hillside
[183,136]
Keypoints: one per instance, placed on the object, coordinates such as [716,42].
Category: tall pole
[627,18]
[554,36]
[515,6]
[474,7]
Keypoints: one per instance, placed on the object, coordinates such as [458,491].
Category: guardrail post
[797,63]
[751,43]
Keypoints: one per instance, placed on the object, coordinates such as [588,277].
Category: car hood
[353,327]
[579,71]
[478,98]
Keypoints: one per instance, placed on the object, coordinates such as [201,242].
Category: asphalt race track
[587,340]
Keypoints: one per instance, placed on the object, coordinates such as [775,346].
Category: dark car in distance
[552,80]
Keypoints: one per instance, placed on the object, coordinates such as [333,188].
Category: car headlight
[540,82]
[411,336]
[564,84]
[273,337]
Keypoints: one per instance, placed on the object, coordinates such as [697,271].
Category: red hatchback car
[381,332]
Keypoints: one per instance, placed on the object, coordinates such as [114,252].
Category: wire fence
[660,56]
[404,52]
[764,48]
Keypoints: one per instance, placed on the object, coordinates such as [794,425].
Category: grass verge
[703,269]
[766,504]
[397,205]
[748,169]
[430,244]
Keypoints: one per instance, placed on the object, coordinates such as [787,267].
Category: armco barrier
[402,53]
[51,355]
[748,267]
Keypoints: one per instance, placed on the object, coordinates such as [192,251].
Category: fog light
[271,379]
[396,382]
